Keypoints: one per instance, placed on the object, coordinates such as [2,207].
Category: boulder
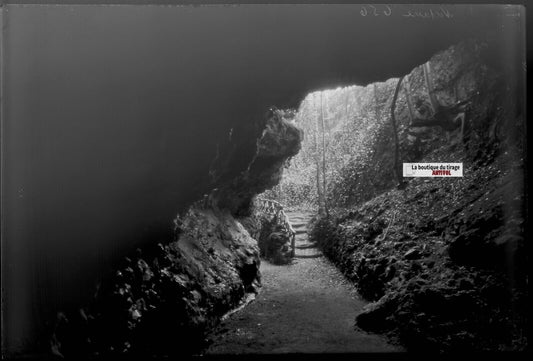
[278,245]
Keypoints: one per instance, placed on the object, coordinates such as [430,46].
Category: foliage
[358,136]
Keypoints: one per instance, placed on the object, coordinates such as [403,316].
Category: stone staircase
[304,248]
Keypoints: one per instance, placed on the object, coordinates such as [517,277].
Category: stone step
[307,252]
[316,255]
[305,246]
[298,221]
[298,224]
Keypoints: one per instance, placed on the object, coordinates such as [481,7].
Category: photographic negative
[262,179]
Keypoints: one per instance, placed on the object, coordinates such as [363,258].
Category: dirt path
[305,307]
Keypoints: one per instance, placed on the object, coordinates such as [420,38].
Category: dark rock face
[178,288]
[278,141]
[496,233]
[277,248]
[437,286]
[275,241]
[183,287]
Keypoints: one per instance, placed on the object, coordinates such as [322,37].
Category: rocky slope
[443,259]
[163,299]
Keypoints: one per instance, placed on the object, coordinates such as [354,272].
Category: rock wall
[273,233]
[163,299]
[278,141]
[443,260]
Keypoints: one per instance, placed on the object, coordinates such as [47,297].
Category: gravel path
[305,307]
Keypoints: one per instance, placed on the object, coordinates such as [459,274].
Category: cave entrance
[329,120]
[305,304]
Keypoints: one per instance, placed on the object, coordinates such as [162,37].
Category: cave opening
[345,207]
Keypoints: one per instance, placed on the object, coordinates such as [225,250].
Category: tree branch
[395,134]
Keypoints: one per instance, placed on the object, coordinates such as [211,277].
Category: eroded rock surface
[444,260]
[163,299]
[437,285]
[278,141]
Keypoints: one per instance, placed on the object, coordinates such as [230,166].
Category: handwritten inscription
[371,10]
[439,13]
[386,10]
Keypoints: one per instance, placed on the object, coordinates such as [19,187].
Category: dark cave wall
[182,286]
[162,299]
[278,142]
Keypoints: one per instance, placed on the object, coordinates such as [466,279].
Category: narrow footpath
[305,307]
